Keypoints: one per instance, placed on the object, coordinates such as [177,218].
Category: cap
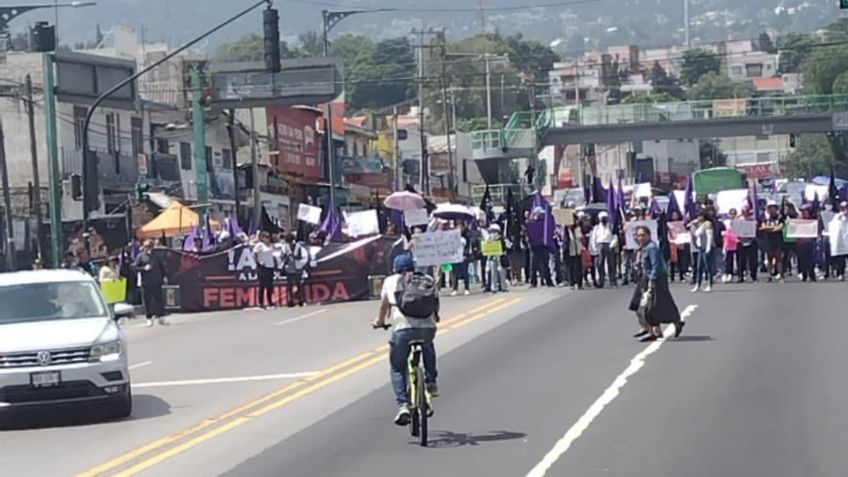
[495,227]
[404,263]
[843,204]
[603,215]
[771,203]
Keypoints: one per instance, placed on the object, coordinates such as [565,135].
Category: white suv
[60,344]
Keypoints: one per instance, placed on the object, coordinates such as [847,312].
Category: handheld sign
[309,213]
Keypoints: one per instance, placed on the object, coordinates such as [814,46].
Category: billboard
[296,140]
[81,78]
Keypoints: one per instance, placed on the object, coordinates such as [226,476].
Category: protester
[805,248]
[789,249]
[152,270]
[680,254]
[603,244]
[731,243]
[746,251]
[772,229]
[540,254]
[702,234]
[495,263]
[460,269]
[575,256]
[295,261]
[263,254]
[652,298]
[109,270]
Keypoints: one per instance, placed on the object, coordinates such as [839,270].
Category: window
[736,71]
[118,132]
[79,119]
[185,156]
[162,145]
[754,70]
[227,159]
[209,167]
[137,135]
[110,133]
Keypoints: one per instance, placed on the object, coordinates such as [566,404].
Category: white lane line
[140,365]
[243,379]
[302,317]
[577,429]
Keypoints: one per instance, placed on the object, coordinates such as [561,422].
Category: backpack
[290,263]
[416,296]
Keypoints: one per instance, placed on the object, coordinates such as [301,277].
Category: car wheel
[121,406]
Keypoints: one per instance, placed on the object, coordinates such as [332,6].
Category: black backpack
[417,296]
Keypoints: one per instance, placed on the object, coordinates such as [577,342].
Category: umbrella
[404,200]
[450,211]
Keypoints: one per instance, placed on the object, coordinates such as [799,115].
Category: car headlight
[105,351]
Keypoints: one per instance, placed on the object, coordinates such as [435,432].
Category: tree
[794,49]
[665,83]
[813,156]
[250,47]
[766,44]
[715,86]
[311,42]
[696,63]
[383,76]
[649,98]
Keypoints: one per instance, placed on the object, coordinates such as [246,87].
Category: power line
[532,6]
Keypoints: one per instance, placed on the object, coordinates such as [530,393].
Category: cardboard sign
[630,232]
[677,233]
[731,199]
[491,248]
[798,228]
[437,248]
[415,217]
[744,229]
[114,291]
[564,217]
[643,190]
[363,223]
[811,191]
[837,230]
[309,213]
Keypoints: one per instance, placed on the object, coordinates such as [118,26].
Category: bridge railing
[709,109]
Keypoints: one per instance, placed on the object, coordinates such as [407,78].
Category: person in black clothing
[460,270]
[152,270]
[747,251]
[772,228]
[295,260]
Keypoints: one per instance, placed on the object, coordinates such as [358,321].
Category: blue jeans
[705,267]
[399,353]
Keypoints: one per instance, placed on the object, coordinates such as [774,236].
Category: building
[741,61]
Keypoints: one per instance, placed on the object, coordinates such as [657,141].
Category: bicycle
[420,399]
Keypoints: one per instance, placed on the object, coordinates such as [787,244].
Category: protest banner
[491,248]
[564,217]
[799,228]
[438,248]
[813,191]
[677,233]
[837,230]
[744,229]
[114,291]
[363,223]
[415,217]
[731,199]
[309,213]
[630,232]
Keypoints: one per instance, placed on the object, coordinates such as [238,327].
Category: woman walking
[652,300]
[702,236]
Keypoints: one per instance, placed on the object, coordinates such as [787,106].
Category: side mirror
[122,310]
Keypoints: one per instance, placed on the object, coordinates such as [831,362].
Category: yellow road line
[329,373]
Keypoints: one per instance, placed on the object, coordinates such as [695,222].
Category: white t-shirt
[401,322]
[264,255]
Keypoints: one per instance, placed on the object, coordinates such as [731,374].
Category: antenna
[482,15]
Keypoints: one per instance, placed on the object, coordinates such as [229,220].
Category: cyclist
[407,329]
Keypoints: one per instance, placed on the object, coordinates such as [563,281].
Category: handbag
[645,305]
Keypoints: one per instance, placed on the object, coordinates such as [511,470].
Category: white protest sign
[798,228]
[827,216]
[643,190]
[437,248]
[744,229]
[363,223]
[309,213]
[677,233]
[415,217]
[812,191]
[838,231]
[630,232]
[731,199]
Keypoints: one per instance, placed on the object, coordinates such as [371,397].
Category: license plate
[45,380]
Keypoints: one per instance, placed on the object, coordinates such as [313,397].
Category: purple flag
[755,203]
[619,199]
[233,228]
[673,206]
[396,217]
[612,210]
[251,228]
[656,210]
[540,229]
[332,224]
[689,206]
[208,236]
[188,244]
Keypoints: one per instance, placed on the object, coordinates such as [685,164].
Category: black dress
[662,308]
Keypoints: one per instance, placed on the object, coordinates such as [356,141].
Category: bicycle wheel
[412,392]
[422,407]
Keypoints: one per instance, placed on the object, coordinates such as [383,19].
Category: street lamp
[8,14]
[329,20]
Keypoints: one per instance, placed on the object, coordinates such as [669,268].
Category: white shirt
[601,234]
[400,321]
[264,254]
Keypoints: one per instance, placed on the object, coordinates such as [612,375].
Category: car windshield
[50,301]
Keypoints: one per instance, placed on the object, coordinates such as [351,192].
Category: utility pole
[200,159]
[328,128]
[7,206]
[396,150]
[254,162]
[53,161]
[231,129]
[451,176]
[36,180]
[686,26]
[488,92]
[425,159]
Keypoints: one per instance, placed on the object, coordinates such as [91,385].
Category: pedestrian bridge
[677,120]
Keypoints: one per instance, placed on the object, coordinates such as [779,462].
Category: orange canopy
[176,220]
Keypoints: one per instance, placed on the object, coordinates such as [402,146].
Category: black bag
[290,261]
[417,296]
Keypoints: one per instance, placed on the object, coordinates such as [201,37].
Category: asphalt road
[533,383]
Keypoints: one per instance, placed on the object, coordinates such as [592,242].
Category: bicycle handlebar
[384,327]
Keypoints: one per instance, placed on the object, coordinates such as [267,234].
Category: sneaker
[162,322]
[433,389]
[149,323]
[466,293]
[453,293]
[778,277]
[708,289]
[403,416]
[695,289]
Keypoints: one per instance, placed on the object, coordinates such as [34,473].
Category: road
[534,383]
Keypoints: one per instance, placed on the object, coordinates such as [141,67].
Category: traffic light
[42,37]
[141,190]
[91,184]
[271,26]
[792,136]
[76,187]
[843,3]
